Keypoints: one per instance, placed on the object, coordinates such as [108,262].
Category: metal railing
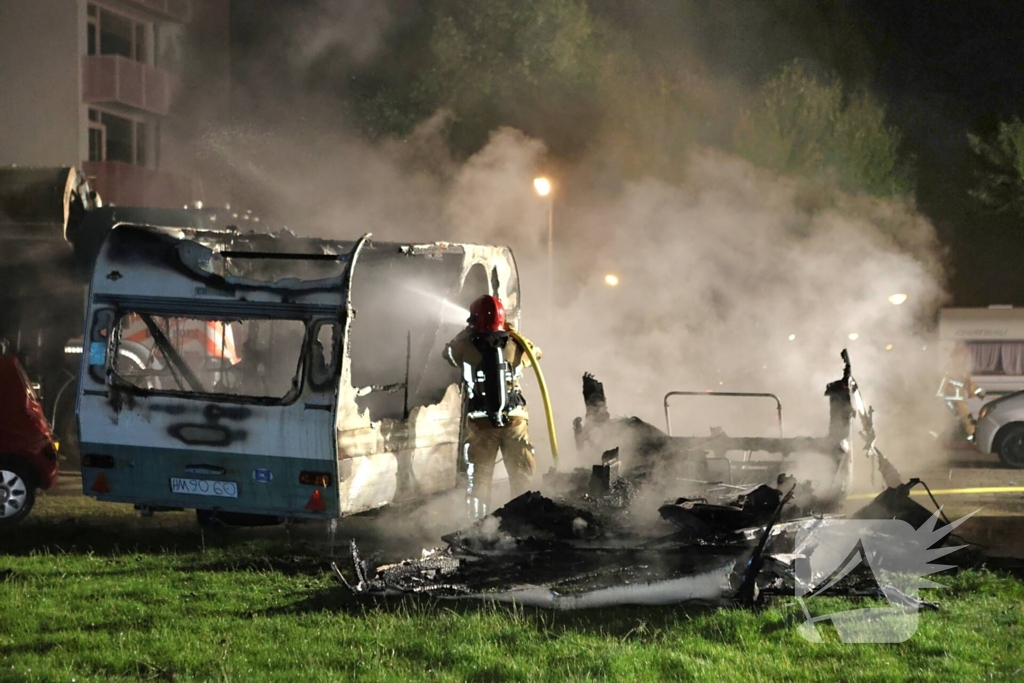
[733,394]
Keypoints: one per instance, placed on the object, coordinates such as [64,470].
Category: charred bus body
[275,375]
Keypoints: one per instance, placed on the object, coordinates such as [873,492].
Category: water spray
[449,308]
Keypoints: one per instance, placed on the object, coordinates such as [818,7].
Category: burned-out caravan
[275,375]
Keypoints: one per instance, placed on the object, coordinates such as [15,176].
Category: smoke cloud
[353,29]
[737,280]
[731,279]
[717,273]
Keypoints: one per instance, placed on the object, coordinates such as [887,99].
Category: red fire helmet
[486,314]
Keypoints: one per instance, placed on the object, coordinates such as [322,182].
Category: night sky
[943,67]
[946,68]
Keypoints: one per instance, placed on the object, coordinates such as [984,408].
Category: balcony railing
[113,78]
[129,185]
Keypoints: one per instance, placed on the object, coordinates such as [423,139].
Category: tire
[1011,446]
[17,493]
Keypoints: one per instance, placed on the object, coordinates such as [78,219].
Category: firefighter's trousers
[963,413]
[513,440]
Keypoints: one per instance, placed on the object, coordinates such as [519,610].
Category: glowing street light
[888,347]
[542,185]
[852,336]
[897,299]
[611,279]
[792,337]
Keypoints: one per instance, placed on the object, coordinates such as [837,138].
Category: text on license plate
[205,487]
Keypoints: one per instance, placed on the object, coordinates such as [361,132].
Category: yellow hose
[548,413]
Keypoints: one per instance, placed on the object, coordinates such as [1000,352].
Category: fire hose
[545,397]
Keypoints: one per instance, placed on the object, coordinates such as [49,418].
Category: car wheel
[17,494]
[1011,448]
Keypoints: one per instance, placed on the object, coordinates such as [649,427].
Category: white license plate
[204,487]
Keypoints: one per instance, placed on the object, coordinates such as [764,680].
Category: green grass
[111,598]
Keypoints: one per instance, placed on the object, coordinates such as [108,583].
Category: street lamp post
[551,251]
[542,186]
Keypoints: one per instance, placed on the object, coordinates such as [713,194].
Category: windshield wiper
[171,355]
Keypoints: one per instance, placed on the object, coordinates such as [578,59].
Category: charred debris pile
[661,519]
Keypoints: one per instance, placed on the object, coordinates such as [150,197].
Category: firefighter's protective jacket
[464,353]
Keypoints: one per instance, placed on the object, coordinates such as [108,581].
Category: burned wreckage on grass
[727,535]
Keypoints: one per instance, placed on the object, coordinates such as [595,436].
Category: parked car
[1000,429]
[28,453]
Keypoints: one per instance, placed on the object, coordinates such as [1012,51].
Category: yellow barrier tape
[949,492]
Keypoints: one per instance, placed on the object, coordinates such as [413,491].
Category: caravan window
[252,358]
[997,358]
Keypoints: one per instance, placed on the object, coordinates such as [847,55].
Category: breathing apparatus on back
[494,393]
[494,390]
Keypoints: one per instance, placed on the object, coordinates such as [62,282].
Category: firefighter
[492,363]
[958,386]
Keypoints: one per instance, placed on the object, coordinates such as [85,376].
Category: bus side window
[324,353]
[100,343]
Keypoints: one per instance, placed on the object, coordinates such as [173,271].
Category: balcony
[130,185]
[113,78]
[175,10]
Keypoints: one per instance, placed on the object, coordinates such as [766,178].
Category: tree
[530,64]
[633,93]
[802,125]
[1001,182]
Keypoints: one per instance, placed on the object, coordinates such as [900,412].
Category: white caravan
[271,375]
[991,341]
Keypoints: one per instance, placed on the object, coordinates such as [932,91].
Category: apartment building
[98,85]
